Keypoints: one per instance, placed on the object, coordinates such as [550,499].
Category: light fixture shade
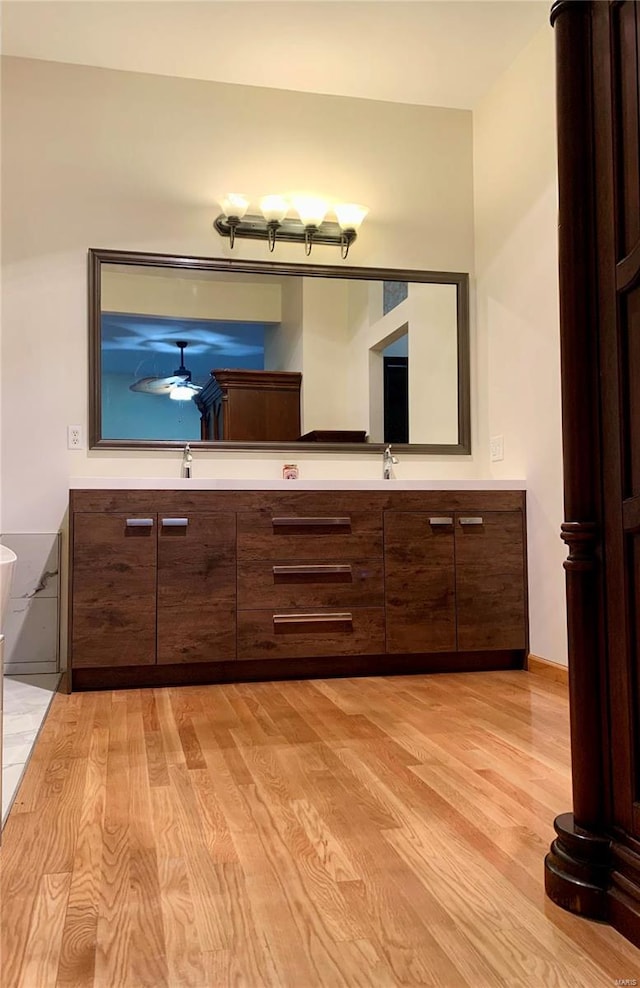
[181,392]
[235,204]
[274,208]
[350,215]
[311,210]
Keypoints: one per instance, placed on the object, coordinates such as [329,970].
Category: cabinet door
[114,590]
[490,581]
[197,587]
[419,582]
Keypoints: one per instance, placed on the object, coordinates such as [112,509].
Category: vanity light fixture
[308,228]
[234,206]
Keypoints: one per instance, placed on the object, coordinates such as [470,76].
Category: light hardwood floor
[358,832]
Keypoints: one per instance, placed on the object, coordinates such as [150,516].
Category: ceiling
[431,52]
[143,345]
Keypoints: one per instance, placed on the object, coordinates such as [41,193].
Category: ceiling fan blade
[156,385]
[164,385]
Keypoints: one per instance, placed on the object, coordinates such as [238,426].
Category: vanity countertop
[212,484]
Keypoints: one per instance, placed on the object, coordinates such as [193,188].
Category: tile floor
[26,702]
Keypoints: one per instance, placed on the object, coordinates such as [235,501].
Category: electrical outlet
[74,437]
[496,448]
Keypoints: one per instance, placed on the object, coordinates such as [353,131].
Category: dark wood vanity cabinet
[490,581]
[318,566]
[206,586]
[196,587]
[113,590]
[152,588]
[420,580]
[455,582]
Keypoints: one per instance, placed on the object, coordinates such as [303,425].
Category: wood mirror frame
[98,257]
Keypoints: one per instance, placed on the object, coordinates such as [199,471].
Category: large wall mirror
[261,355]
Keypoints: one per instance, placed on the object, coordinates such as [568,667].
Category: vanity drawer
[291,634]
[356,583]
[322,530]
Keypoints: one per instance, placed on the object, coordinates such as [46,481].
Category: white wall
[325,334]
[433,363]
[517,314]
[283,344]
[165,294]
[100,158]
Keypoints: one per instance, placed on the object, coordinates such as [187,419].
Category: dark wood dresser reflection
[170,587]
[251,406]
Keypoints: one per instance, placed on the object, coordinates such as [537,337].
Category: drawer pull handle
[337,621]
[311,522]
[315,569]
[175,522]
[441,521]
[472,521]
[139,522]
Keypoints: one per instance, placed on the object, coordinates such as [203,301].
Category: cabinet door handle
[175,522]
[338,620]
[441,521]
[314,568]
[313,573]
[472,521]
[139,522]
[311,522]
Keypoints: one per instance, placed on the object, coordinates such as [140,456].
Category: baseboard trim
[550,670]
[267,670]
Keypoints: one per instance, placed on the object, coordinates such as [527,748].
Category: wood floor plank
[369,833]
[328,848]
[183,953]
[402,939]
[212,923]
[289,819]
[113,932]
[44,940]
[79,936]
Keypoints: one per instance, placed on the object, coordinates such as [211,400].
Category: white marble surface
[26,702]
[36,574]
[210,484]
[31,624]
[31,630]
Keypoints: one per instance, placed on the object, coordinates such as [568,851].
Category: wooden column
[594,864]
[576,871]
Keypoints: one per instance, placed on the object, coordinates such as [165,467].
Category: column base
[578,869]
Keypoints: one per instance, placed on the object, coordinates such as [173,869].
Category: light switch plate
[496,448]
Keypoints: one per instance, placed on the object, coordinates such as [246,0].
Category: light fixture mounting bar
[289,231]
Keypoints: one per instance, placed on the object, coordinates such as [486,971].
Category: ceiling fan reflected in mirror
[178,385]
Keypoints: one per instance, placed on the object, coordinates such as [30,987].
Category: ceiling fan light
[181,392]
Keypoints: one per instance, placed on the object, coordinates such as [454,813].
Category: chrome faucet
[187,457]
[388,462]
